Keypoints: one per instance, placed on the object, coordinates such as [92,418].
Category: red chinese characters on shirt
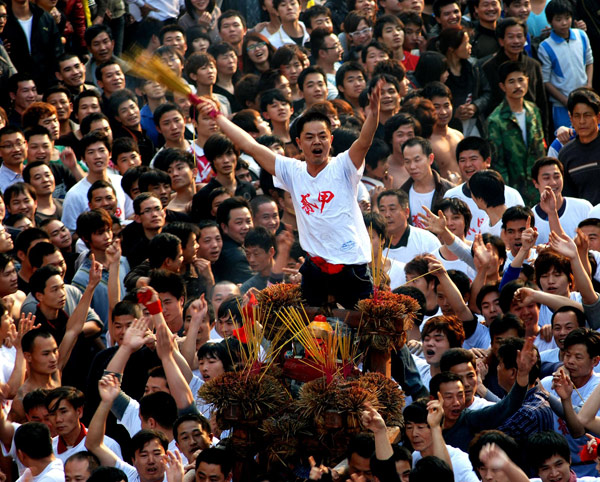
[308,207]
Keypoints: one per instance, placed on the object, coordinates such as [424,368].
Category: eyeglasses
[257,45]
[11,146]
[358,33]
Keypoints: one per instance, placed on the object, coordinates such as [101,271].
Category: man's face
[226,163]
[149,461]
[267,216]
[104,198]
[118,327]
[26,94]
[64,417]
[221,293]
[390,99]
[156,384]
[103,127]
[177,40]
[128,114]
[468,375]
[13,149]
[51,123]
[417,163]
[210,244]
[555,282]
[514,39]
[515,85]
[96,157]
[206,126]
[563,324]
[210,473]
[500,337]
[112,79]
[61,103]
[278,111]
[101,239]
[506,376]
[392,36]
[561,24]
[332,49]
[227,63]
[77,470]
[225,326]
[512,234]
[412,36]
[152,214]
[396,217]
[450,16]
[292,70]
[258,258]
[455,222]
[490,307]
[434,346]
[42,181]
[57,260]
[470,162]
[321,21]
[374,56]
[519,9]
[172,308]
[443,107]
[240,222]
[172,126]
[443,301]
[191,438]
[87,106]
[593,234]
[528,313]
[190,249]
[354,83]
[54,295]
[490,474]
[400,136]
[584,120]
[209,366]
[555,469]
[314,89]
[22,203]
[393,7]
[162,191]
[71,72]
[9,280]
[549,176]
[102,48]
[127,160]
[315,142]
[60,236]
[403,469]
[6,242]
[232,30]
[358,466]
[578,361]
[288,10]
[43,358]
[488,10]
[182,176]
[419,435]
[453,394]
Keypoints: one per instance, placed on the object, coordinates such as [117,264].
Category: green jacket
[513,159]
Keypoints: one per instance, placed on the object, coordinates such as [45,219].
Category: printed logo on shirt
[348,245]
[309,207]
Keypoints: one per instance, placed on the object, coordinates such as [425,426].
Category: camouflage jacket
[512,158]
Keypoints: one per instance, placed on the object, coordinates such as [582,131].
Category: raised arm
[587,414]
[435,414]
[136,336]
[109,389]
[359,148]
[554,302]
[79,315]
[494,458]
[548,205]
[382,468]
[562,385]
[179,387]
[244,141]
[17,377]
[198,310]
[113,259]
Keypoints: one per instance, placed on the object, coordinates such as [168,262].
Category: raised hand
[525,295]
[372,420]
[563,245]
[113,252]
[562,384]
[482,253]
[527,357]
[582,241]
[529,236]
[198,310]
[316,472]
[68,158]
[435,266]
[137,335]
[493,457]
[548,201]
[95,272]
[374,99]
[164,342]
[433,223]
[435,411]
[174,466]
[109,388]
[26,324]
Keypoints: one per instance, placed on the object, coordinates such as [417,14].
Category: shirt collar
[559,39]
[10,173]
[62,446]
[403,242]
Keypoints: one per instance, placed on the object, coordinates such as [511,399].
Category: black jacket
[232,265]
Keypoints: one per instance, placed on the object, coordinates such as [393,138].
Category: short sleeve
[283,171]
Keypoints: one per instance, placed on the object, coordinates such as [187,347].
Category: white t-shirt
[27,25]
[131,472]
[419,242]
[573,212]
[416,201]
[522,121]
[330,222]
[80,447]
[480,218]
[550,356]
[396,274]
[456,264]
[595,212]
[424,370]
[479,403]
[545,317]
[54,472]
[461,465]
[479,339]
[543,345]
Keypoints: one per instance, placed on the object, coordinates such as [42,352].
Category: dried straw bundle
[389,394]
[385,317]
[276,297]
[284,438]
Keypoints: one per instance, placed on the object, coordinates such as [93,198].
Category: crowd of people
[448,151]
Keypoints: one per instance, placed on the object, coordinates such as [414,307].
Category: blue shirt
[147,122]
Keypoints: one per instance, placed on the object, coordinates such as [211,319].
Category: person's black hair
[107,474]
[26,237]
[92,460]
[219,351]
[439,4]
[456,356]
[312,69]
[58,89]
[398,193]
[245,90]
[484,291]
[162,109]
[93,138]
[517,213]
[443,377]
[29,167]
[315,11]
[103,65]
[508,353]
[83,95]
[362,444]
[507,293]
[384,20]
[122,145]
[228,205]
[436,89]
[216,456]
[247,120]
[416,412]
[92,32]
[376,222]
[173,27]
[391,67]
[261,238]
[39,251]
[583,95]
[579,315]
[16,189]
[500,439]
[165,282]
[431,468]
[124,308]
[397,121]
[378,152]
[375,44]
[40,277]
[411,18]
[117,98]
[86,124]
[161,407]
[218,145]
[489,186]
[558,7]
[346,67]
[270,96]
[33,439]
[153,177]
[507,322]
[191,417]
[431,67]
[100,184]
[474,143]
[220,48]
[4,260]
[311,117]
[541,446]
[131,176]
[30,337]
[170,155]
[342,138]
[505,23]
[543,162]
[418,296]
[140,439]
[92,221]
[419,141]
[231,307]
[36,131]
[75,397]
[146,29]
[584,336]
[194,33]
[163,246]
[507,68]
[456,206]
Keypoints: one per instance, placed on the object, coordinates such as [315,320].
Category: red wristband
[154,308]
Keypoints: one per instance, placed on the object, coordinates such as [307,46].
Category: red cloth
[410,61]
[585,454]
[325,266]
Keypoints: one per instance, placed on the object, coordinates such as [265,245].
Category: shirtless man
[181,168]
[10,293]
[399,129]
[444,139]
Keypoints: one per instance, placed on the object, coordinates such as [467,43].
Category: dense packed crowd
[447,151]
